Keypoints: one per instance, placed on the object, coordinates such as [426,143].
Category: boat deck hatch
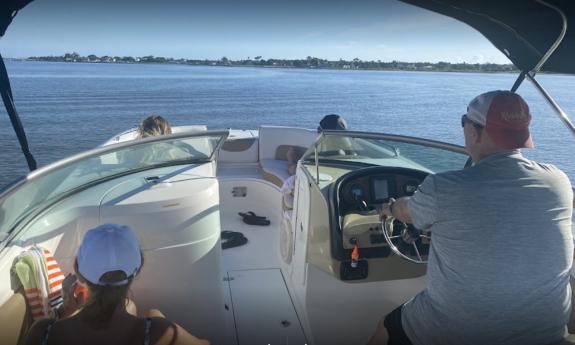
[263,309]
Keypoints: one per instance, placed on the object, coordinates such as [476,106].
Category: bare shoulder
[36,332]
[165,332]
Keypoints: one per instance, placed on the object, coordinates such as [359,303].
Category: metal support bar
[518,81]
[316,163]
[549,52]
[562,115]
[6,92]
[559,39]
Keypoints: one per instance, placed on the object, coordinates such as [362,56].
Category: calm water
[68,108]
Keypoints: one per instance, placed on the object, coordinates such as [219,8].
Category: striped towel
[41,279]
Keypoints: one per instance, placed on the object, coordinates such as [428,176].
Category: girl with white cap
[108,260]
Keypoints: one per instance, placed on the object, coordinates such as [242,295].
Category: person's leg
[390,331]
[380,337]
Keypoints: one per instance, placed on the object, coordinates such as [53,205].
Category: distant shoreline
[308,63]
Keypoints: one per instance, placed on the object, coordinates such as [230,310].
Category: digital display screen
[380,189]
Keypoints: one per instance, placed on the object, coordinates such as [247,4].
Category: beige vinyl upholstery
[274,141]
[14,320]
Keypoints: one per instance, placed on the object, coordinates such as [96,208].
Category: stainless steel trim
[390,137]
[316,163]
[559,39]
[562,115]
[111,148]
[400,138]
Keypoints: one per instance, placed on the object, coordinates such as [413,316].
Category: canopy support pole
[6,92]
[531,75]
[562,115]
[519,81]
[316,156]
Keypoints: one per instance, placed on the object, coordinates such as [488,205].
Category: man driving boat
[502,248]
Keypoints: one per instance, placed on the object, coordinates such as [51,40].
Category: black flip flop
[232,239]
[255,220]
[250,214]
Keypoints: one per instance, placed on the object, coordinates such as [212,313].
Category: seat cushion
[15,319]
[274,170]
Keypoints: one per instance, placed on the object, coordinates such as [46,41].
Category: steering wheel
[408,240]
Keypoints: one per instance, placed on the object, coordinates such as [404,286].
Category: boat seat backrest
[282,150]
[272,137]
[274,142]
[15,319]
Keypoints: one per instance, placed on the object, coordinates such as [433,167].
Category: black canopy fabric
[8,10]
[523,30]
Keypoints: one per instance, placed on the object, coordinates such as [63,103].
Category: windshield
[361,149]
[50,183]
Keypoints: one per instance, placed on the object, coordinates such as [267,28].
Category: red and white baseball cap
[108,248]
[505,117]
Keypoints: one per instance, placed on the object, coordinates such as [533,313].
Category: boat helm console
[358,199]
[355,183]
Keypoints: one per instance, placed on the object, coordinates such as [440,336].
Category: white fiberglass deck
[261,308]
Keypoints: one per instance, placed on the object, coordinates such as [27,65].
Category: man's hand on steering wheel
[386,209]
[397,209]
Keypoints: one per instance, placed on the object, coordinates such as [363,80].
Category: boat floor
[261,308]
[266,307]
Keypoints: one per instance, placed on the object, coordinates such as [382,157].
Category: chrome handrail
[112,148]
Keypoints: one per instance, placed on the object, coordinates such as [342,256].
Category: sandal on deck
[232,239]
[253,219]
[250,214]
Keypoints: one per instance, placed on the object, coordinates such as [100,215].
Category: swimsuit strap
[47,332]
[146,332]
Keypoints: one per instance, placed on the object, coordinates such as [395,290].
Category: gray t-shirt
[500,258]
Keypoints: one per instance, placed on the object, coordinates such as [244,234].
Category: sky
[383,30]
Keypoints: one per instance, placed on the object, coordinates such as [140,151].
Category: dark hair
[332,122]
[104,300]
[153,125]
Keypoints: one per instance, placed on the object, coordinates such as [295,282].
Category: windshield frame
[31,213]
[113,147]
[312,151]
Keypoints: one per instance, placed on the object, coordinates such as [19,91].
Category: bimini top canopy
[8,10]
[524,30]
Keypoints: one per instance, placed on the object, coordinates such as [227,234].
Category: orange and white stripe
[45,295]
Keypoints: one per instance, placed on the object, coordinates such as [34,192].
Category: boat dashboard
[357,198]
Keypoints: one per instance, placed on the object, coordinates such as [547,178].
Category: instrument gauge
[356,192]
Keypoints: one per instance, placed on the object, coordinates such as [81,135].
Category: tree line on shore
[309,62]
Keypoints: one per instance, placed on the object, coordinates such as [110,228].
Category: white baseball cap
[107,248]
[505,117]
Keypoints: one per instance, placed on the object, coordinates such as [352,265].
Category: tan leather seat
[14,320]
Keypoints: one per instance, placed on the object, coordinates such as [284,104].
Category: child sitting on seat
[108,260]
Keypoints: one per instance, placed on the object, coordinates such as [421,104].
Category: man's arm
[421,209]
[397,209]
